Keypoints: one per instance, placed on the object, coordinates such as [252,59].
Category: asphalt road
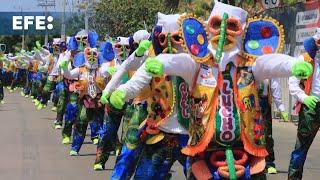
[30,149]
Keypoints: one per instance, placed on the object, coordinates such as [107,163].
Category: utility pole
[85,5]
[63,24]
[23,36]
[86,20]
[45,4]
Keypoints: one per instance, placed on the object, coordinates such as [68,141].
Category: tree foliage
[200,8]
[123,18]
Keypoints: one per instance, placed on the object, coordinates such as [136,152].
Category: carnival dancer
[10,70]
[20,71]
[226,125]
[30,77]
[24,64]
[75,44]
[165,130]
[308,107]
[266,88]
[37,67]
[2,58]
[89,76]
[69,94]
[134,113]
[58,49]
[109,141]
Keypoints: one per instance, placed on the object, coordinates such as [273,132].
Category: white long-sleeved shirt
[75,74]
[62,56]
[23,64]
[276,94]
[184,66]
[132,63]
[294,83]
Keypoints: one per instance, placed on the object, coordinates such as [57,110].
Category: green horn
[222,38]
[230,162]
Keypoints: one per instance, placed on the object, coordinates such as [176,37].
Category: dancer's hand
[104,97]
[41,69]
[38,45]
[64,65]
[35,49]
[143,47]
[117,99]
[154,66]
[284,115]
[311,102]
[302,69]
[112,70]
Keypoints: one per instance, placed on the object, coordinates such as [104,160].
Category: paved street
[31,149]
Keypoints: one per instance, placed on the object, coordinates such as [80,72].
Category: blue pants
[108,135]
[86,115]
[157,159]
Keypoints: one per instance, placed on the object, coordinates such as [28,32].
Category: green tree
[123,18]
[200,8]
[11,42]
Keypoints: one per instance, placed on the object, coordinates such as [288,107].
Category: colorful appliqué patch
[195,38]
[207,76]
[263,36]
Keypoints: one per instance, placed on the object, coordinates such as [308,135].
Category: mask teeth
[81,47]
[123,52]
[91,60]
[169,43]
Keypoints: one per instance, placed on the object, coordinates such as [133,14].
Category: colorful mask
[82,40]
[91,56]
[122,48]
[228,21]
[170,38]
[55,46]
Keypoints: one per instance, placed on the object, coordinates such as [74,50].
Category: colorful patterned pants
[85,116]
[1,85]
[308,126]
[267,117]
[27,87]
[70,116]
[7,78]
[157,159]
[108,137]
[61,105]
[132,147]
[48,87]
[19,78]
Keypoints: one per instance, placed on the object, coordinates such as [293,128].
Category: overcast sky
[32,5]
